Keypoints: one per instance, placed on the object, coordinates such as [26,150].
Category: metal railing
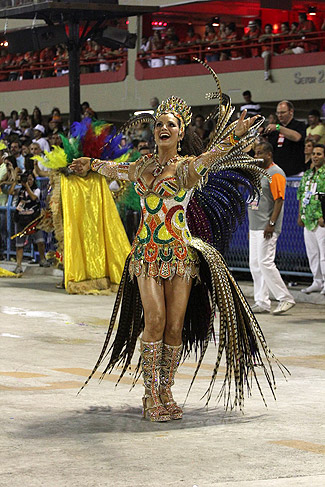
[49,69]
[313,41]
[291,258]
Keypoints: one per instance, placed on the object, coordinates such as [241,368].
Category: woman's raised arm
[200,165]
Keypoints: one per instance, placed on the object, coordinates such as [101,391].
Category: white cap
[40,128]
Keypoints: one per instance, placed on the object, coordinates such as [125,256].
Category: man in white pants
[265,223]
[311,218]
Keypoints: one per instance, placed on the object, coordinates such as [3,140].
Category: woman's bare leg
[151,346]
[154,307]
[177,293]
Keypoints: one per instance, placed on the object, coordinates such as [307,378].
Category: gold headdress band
[179,108]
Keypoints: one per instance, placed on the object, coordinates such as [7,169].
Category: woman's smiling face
[167,131]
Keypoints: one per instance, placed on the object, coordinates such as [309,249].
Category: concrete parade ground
[50,436]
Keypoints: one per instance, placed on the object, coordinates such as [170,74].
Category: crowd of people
[50,61]
[165,48]
[228,41]
[296,150]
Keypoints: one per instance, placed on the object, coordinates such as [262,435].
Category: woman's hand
[80,166]
[243,125]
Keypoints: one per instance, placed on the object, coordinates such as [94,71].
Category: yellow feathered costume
[88,228]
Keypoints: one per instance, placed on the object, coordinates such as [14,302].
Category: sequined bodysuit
[161,247]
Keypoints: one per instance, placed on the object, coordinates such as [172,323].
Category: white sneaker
[282,307]
[323,291]
[258,309]
[313,288]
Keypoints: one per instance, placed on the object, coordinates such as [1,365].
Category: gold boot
[151,362]
[170,360]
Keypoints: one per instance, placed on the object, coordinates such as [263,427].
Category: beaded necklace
[159,167]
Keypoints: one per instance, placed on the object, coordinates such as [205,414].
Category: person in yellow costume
[92,243]
[95,242]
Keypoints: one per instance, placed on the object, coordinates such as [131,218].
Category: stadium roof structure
[92,15]
[54,11]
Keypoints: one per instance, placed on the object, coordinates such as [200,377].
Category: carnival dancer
[174,278]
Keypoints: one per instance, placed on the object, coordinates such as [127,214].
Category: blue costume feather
[215,210]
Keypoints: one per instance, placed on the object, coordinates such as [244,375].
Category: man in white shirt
[39,132]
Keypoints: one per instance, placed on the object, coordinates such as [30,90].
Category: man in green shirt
[311,218]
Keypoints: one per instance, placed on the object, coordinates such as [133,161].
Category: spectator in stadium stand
[35,149]
[15,150]
[55,112]
[156,44]
[229,40]
[154,103]
[55,124]
[221,37]
[37,117]
[288,138]
[12,131]
[284,37]
[4,62]
[61,61]
[251,37]
[26,63]
[9,172]
[83,106]
[144,47]
[311,218]
[171,43]
[39,132]
[55,139]
[32,60]
[46,59]
[309,146]
[192,37]
[210,41]
[25,147]
[15,65]
[251,107]
[190,41]
[104,55]
[29,164]
[3,121]
[305,26]
[28,208]
[200,130]
[316,129]
[39,170]
[265,224]
[23,114]
[14,116]
[266,47]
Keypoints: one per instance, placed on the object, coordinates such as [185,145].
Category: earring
[179,146]
[155,149]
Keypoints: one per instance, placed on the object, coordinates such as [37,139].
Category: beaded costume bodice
[161,246]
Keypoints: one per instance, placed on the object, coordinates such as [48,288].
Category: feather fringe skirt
[239,337]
